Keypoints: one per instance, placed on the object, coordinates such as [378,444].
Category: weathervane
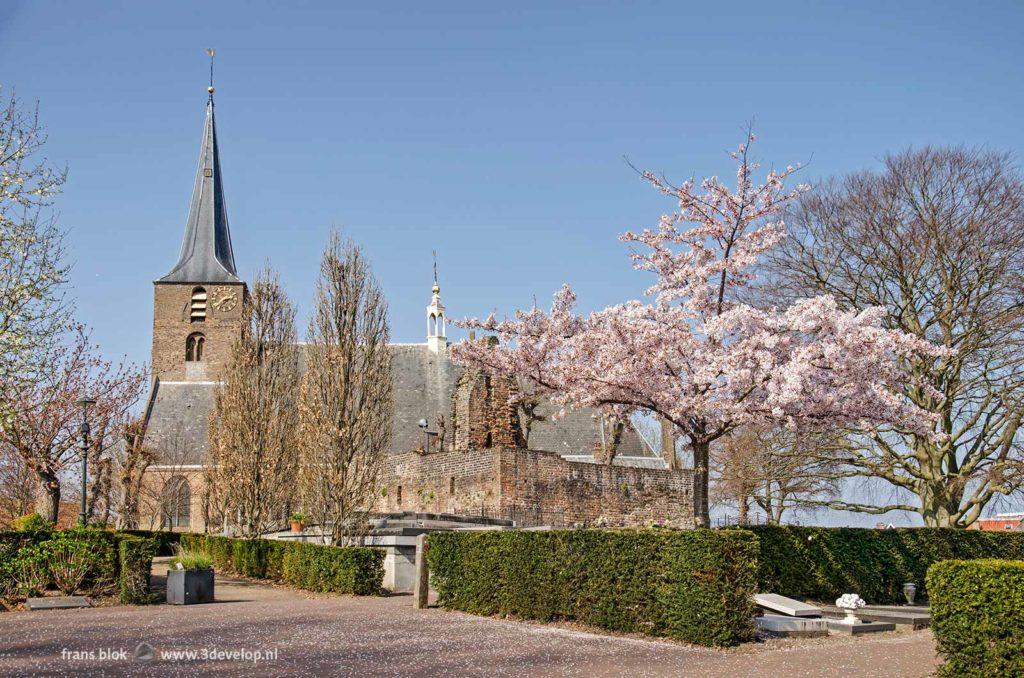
[437,289]
[212,53]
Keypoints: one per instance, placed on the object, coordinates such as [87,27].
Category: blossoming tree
[695,353]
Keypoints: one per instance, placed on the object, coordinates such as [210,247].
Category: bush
[186,559]
[693,585]
[821,563]
[32,522]
[978,616]
[135,558]
[68,560]
[29,571]
[308,566]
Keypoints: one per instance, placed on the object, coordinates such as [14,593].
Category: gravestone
[787,606]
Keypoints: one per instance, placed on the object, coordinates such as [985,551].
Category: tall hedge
[821,563]
[978,616]
[313,567]
[135,561]
[691,585]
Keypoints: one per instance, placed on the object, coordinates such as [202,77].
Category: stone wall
[534,487]
[483,412]
[172,326]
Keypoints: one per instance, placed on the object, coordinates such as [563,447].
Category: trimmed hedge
[978,616]
[135,556]
[693,585]
[313,567]
[821,563]
[165,540]
[109,567]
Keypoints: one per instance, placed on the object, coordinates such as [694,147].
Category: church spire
[206,254]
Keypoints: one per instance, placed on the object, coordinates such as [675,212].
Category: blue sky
[493,134]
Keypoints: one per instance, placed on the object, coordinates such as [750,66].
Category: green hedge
[822,563]
[978,616]
[312,567]
[111,568]
[691,585]
[165,540]
[135,559]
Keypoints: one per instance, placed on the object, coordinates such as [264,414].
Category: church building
[458,446]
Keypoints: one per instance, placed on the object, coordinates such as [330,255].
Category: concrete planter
[189,587]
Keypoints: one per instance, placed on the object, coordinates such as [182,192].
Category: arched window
[194,346]
[197,307]
[177,503]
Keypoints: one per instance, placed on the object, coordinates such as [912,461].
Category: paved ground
[323,635]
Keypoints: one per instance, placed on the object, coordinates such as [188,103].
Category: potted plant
[190,579]
[298,522]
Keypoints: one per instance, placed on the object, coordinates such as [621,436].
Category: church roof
[424,382]
[206,254]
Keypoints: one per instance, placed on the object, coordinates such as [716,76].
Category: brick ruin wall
[537,488]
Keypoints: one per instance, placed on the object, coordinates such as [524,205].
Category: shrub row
[821,563]
[165,540]
[101,561]
[312,567]
[978,616]
[691,585]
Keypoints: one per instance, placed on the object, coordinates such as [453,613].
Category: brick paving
[316,634]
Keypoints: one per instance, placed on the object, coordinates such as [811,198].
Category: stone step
[786,606]
[841,627]
[57,603]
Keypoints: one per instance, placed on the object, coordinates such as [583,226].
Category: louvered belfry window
[197,307]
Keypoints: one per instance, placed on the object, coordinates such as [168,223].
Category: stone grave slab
[782,625]
[904,617]
[57,603]
[837,626]
[788,606]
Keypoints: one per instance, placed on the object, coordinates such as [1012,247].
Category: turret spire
[206,253]
[436,339]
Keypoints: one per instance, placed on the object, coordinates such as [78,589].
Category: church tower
[197,307]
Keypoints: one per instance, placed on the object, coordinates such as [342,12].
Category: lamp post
[422,423]
[84,402]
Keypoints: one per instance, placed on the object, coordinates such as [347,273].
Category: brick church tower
[197,307]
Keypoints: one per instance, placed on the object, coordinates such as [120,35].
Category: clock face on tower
[224,299]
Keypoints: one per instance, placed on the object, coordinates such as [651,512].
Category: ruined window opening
[398,495]
[451,485]
[197,306]
[194,346]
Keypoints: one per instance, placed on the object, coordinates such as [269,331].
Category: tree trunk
[744,508]
[701,514]
[940,505]
[51,486]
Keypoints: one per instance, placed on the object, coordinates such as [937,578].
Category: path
[316,634]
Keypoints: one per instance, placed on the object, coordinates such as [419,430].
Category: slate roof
[423,386]
[206,254]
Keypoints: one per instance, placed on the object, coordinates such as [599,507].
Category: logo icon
[144,652]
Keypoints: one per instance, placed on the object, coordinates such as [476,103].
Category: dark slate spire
[206,255]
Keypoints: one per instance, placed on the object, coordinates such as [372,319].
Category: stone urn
[910,592]
[850,603]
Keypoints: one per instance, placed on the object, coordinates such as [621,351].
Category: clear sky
[494,134]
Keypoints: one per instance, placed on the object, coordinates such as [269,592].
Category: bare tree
[131,461]
[43,428]
[254,423]
[346,407]
[775,470]
[936,237]
[32,267]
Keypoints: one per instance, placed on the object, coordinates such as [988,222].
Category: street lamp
[84,402]
[422,423]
